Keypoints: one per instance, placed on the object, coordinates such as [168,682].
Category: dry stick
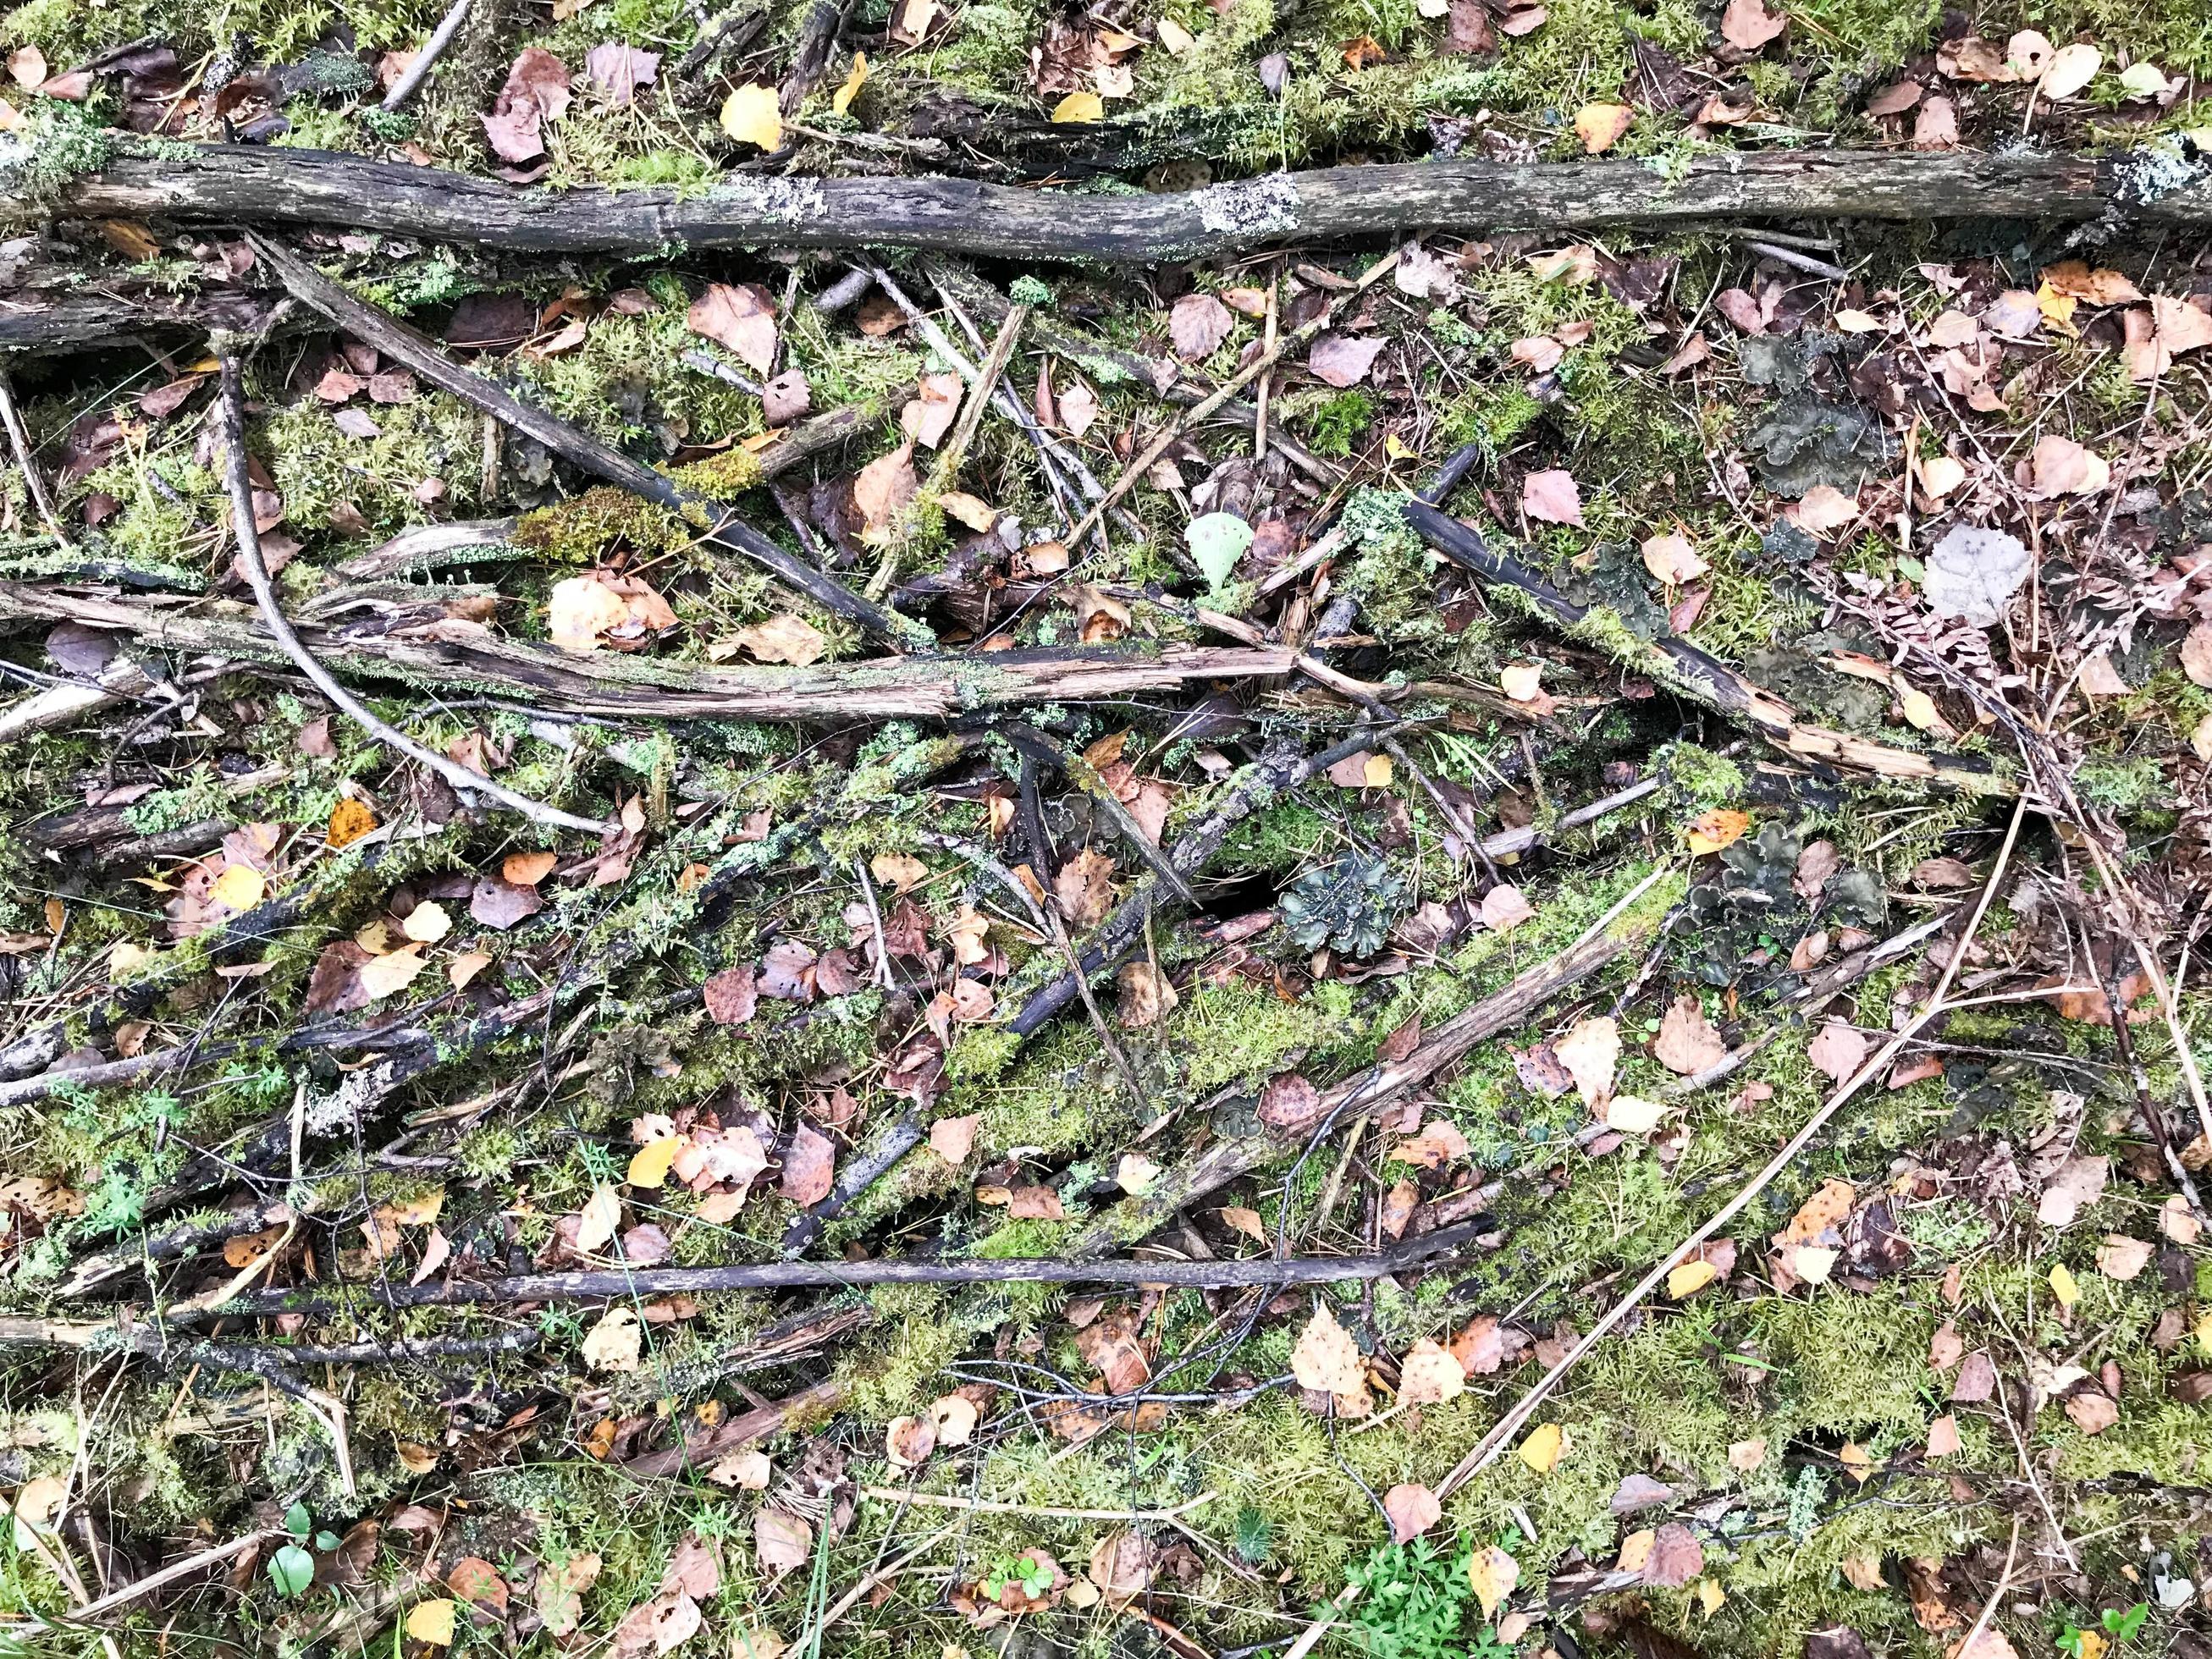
[593,1287]
[1259,396]
[1236,383]
[1090,1005]
[396,340]
[884,688]
[20,440]
[232,407]
[214,1556]
[419,66]
[1492,1443]
[981,393]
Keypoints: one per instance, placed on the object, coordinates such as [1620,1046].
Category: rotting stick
[233,183]
[419,66]
[232,407]
[620,1285]
[1705,680]
[720,524]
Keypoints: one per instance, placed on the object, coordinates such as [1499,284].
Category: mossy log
[237,184]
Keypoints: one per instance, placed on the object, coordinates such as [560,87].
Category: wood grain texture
[240,183]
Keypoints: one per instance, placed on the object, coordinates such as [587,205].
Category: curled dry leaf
[908,1441]
[782,638]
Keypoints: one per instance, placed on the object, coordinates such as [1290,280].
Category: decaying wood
[883,687]
[258,185]
[718,523]
[733,1434]
[622,1283]
[1704,679]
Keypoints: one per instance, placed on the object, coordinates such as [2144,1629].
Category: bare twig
[419,66]
[232,406]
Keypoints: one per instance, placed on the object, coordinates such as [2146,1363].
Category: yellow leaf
[125,959]
[1858,1462]
[2063,1286]
[1174,36]
[1600,126]
[1636,1550]
[2057,309]
[752,115]
[1689,1278]
[240,886]
[1713,830]
[648,1164]
[1079,106]
[1542,1450]
[1711,1596]
[432,1622]
[1492,1573]
[1378,771]
[1920,710]
[349,822]
[843,98]
[381,975]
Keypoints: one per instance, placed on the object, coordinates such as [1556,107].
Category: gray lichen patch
[1266,206]
[775,201]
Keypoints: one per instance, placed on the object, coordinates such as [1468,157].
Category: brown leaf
[730,996]
[953,1138]
[500,904]
[1676,1557]
[1326,1359]
[1837,1051]
[1936,126]
[1343,360]
[740,316]
[885,485]
[1289,1101]
[1084,888]
[781,1542]
[1687,1042]
[1198,326]
[1036,1204]
[927,417]
[1412,1510]
[1747,25]
[1976,1380]
[1505,908]
[810,1165]
[1551,497]
[1589,1052]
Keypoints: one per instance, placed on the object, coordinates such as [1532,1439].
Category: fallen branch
[1703,678]
[621,1284]
[232,405]
[772,1417]
[259,184]
[884,688]
[419,66]
[718,523]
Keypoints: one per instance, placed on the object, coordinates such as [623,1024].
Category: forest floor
[1632,802]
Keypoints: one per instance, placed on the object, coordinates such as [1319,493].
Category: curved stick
[458,777]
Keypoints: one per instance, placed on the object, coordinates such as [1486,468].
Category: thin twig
[232,406]
[990,1506]
[419,66]
[20,442]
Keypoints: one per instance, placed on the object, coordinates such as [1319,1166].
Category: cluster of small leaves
[1414,1600]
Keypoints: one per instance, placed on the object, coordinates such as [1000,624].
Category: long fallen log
[243,182]
[882,687]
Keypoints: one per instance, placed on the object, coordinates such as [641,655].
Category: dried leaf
[1600,126]
[886,486]
[1198,324]
[613,1344]
[1412,1510]
[1747,25]
[740,316]
[1504,909]
[1492,1573]
[809,1166]
[1326,1359]
[1590,1051]
[1551,497]
[754,115]
[1428,1376]
[1343,360]
[1687,1042]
